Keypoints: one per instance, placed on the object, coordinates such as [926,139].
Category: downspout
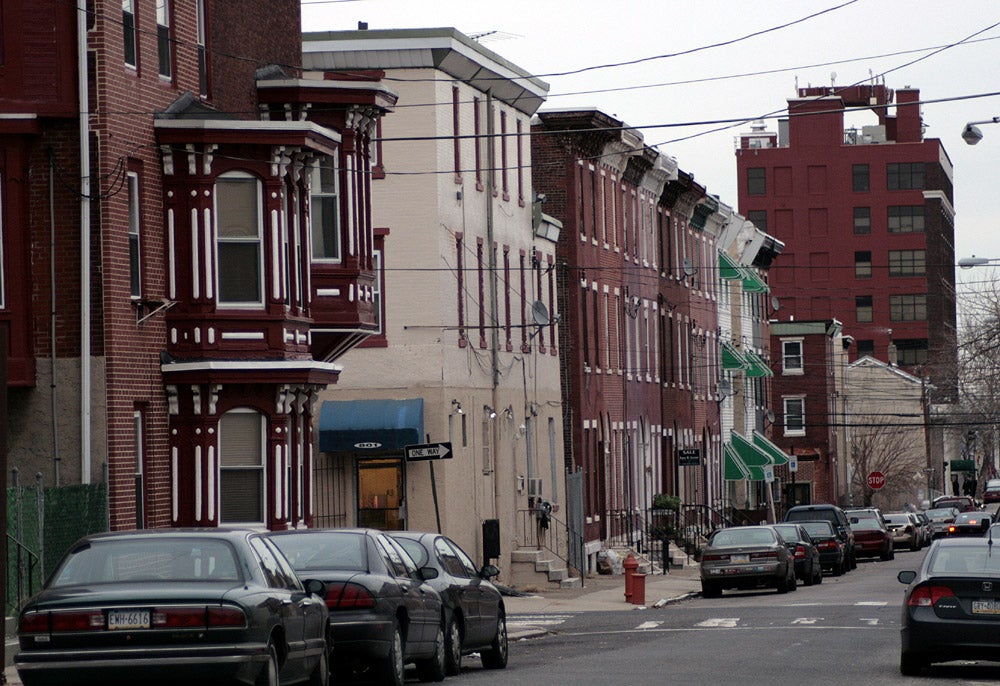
[83,93]
[52,315]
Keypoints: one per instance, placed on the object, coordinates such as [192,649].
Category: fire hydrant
[635,583]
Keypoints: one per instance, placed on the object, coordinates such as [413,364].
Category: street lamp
[970,262]
[971,133]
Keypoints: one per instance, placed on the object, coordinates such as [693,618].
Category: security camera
[971,134]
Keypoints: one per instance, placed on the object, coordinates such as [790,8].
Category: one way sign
[428,451]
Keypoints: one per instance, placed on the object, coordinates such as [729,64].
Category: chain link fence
[42,523]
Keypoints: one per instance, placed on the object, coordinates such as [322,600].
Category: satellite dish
[769,415]
[540,313]
[775,305]
[689,269]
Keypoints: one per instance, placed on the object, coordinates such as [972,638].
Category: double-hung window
[202,41]
[795,416]
[240,239]
[325,211]
[163,38]
[241,467]
[791,357]
[128,29]
[134,253]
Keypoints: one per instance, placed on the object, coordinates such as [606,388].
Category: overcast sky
[949,49]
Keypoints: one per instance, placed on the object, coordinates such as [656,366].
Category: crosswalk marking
[871,603]
[806,620]
[649,625]
[870,621]
[724,622]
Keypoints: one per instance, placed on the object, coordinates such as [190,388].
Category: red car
[991,493]
[872,539]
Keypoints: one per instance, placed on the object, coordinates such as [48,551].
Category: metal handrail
[556,538]
[32,559]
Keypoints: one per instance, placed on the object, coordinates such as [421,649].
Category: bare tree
[881,445]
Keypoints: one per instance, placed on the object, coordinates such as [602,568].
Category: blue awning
[370,425]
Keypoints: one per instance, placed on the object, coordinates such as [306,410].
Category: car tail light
[714,557]
[927,596]
[348,596]
[226,617]
[178,617]
[34,623]
[826,545]
[767,555]
[800,551]
[82,620]
[951,529]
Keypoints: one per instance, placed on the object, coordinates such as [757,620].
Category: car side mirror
[489,571]
[906,576]
[427,573]
[316,587]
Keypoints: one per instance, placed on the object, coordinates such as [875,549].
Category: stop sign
[876,480]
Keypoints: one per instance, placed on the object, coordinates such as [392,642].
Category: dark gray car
[174,606]
[475,618]
[383,613]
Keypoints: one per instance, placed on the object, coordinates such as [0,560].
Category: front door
[380,493]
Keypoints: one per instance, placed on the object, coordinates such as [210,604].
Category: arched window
[239,235]
[241,467]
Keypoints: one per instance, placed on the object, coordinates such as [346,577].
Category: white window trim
[248,304]
[262,467]
[315,191]
[794,432]
[793,371]
[134,228]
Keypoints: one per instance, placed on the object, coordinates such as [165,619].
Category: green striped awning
[732,358]
[777,455]
[756,366]
[751,282]
[734,470]
[753,458]
[729,268]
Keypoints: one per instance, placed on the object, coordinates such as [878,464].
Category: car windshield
[818,528]
[341,550]
[866,525]
[414,548]
[940,514]
[897,519]
[979,559]
[732,537]
[155,559]
[973,518]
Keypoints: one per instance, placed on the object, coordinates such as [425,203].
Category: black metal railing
[553,536]
[25,562]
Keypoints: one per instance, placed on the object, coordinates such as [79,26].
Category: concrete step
[571,582]
[525,555]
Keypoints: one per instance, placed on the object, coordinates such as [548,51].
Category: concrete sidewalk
[599,594]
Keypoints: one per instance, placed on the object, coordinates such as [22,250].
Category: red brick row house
[187,250]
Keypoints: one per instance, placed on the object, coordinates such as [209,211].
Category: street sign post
[428,451]
[876,480]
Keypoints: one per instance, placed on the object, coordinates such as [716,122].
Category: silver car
[746,557]
[905,529]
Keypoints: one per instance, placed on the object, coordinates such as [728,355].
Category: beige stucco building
[468,354]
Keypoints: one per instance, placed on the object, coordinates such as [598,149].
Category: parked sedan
[905,529]
[475,618]
[808,567]
[991,492]
[746,557]
[871,539]
[969,524]
[831,549]
[383,613]
[170,606]
[951,609]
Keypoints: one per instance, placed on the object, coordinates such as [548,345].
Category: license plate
[122,620]
[986,607]
[739,559]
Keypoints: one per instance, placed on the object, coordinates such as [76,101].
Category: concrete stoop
[533,568]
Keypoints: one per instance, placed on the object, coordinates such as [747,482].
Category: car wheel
[838,569]
[811,576]
[269,672]
[710,589]
[453,652]
[886,555]
[916,545]
[819,575]
[433,668]
[782,584]
[496,656]
[321,672]
[392,671]
[793,582]
[910,665]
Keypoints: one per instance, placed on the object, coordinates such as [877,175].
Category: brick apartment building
[867,217]
[163,188]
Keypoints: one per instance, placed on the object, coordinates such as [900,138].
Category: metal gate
[574,521]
